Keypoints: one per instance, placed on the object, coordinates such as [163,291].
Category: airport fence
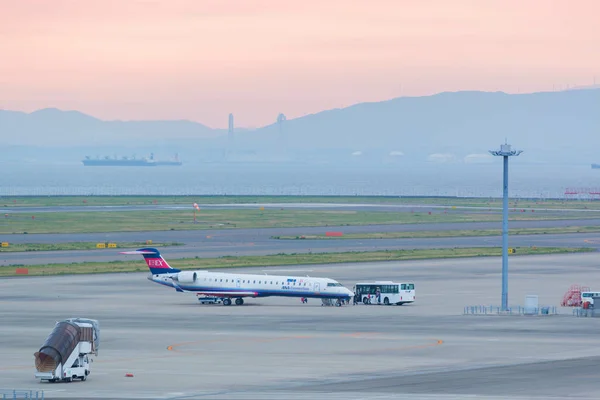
[14,394]
[585,312]
[512,310]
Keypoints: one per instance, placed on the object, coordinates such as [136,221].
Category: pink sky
[202,59]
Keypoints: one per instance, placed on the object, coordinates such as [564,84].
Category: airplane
[236,286]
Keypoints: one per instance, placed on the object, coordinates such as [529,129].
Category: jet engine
[186,277]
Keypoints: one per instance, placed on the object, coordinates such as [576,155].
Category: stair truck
[65,353]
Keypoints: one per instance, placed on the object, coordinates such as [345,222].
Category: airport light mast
[505,152]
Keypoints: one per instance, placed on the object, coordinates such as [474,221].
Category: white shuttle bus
[588,297]
[384,292]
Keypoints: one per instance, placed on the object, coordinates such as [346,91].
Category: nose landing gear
[332,302]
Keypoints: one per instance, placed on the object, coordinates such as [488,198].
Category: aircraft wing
[218,293]
[227,294]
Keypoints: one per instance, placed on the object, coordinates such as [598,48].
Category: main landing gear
[238,302]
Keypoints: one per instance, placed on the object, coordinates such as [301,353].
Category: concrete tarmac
[279,348]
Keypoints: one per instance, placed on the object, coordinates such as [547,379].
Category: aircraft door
[317,287]
[237,282]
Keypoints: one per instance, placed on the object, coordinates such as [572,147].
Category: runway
[279,348]
[386,207]
[239,242]
[217,247]
[185,236]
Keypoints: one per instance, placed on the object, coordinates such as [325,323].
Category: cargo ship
[108,161]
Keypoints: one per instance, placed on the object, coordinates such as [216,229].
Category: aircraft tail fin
[156,263]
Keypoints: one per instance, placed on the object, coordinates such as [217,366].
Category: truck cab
[79,370]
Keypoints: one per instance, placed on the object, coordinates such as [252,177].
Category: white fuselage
[249,285]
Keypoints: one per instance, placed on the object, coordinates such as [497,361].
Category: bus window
[366,289]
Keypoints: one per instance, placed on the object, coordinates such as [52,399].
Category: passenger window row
[260,282]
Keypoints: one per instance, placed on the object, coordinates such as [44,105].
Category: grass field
[21,247]
[93,222]
[445,233]
[189,200]
[283,259]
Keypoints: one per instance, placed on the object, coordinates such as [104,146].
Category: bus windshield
[590,294]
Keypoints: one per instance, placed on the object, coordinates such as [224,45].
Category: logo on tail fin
[154,260]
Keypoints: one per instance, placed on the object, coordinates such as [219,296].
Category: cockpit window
[334,284]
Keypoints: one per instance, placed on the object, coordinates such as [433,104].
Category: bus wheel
[386,301]
[365,300]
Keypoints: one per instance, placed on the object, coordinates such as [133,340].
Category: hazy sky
[202,59]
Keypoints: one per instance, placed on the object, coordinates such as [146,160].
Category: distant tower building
[282,139]
[230,138]
[280,119]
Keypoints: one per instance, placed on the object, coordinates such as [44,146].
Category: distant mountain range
[54,127]
[559,126]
